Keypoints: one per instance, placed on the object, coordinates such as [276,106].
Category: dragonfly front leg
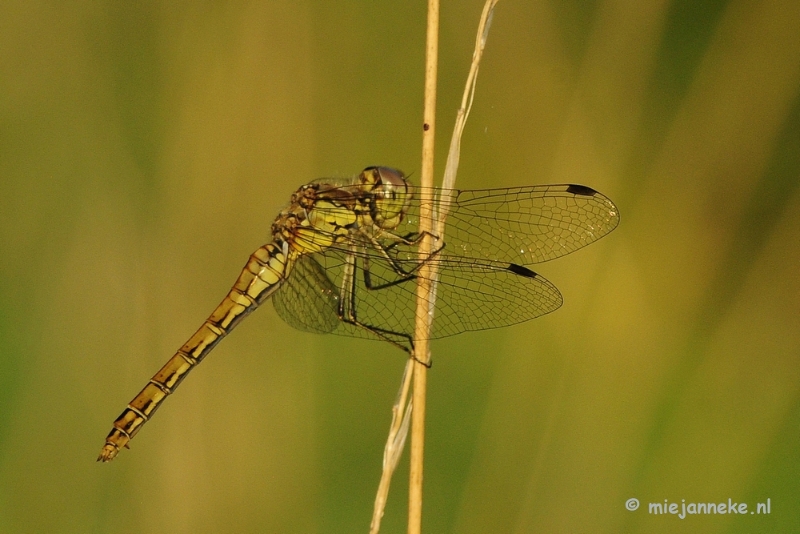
[411,238]
[383,250]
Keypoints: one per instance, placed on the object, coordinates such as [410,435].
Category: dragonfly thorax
[319,215]
[325,213]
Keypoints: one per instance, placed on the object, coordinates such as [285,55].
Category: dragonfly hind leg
[387,335]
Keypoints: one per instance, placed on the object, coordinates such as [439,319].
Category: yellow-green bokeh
[146,147]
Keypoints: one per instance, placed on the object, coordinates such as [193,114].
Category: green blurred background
[146,147]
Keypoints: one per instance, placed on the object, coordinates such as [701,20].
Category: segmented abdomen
[267,268]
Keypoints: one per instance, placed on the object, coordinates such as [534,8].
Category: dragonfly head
[390,193]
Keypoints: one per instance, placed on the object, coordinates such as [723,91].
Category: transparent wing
[471,295]
[308,300]
[526,225]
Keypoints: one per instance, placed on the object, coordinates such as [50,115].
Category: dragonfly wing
[390,310]
[523,225]
[471,295]
[308,300]
[478,295]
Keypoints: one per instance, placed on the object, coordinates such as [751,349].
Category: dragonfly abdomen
[262,275]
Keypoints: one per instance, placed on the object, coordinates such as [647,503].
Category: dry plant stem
[429,219]
[398,431]
[423,324]
[454,153]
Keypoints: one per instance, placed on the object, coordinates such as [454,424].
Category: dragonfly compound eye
[390,195]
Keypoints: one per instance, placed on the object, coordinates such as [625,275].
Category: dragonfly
[344,259]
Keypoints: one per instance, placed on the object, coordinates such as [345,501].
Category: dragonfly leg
[368,278]
[349,317]
[347,306]
[384,251]
[347,313]
[385,335]
[376,331]
[404,276]
[411,238]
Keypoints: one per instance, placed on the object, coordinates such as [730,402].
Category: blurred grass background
[146,147]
